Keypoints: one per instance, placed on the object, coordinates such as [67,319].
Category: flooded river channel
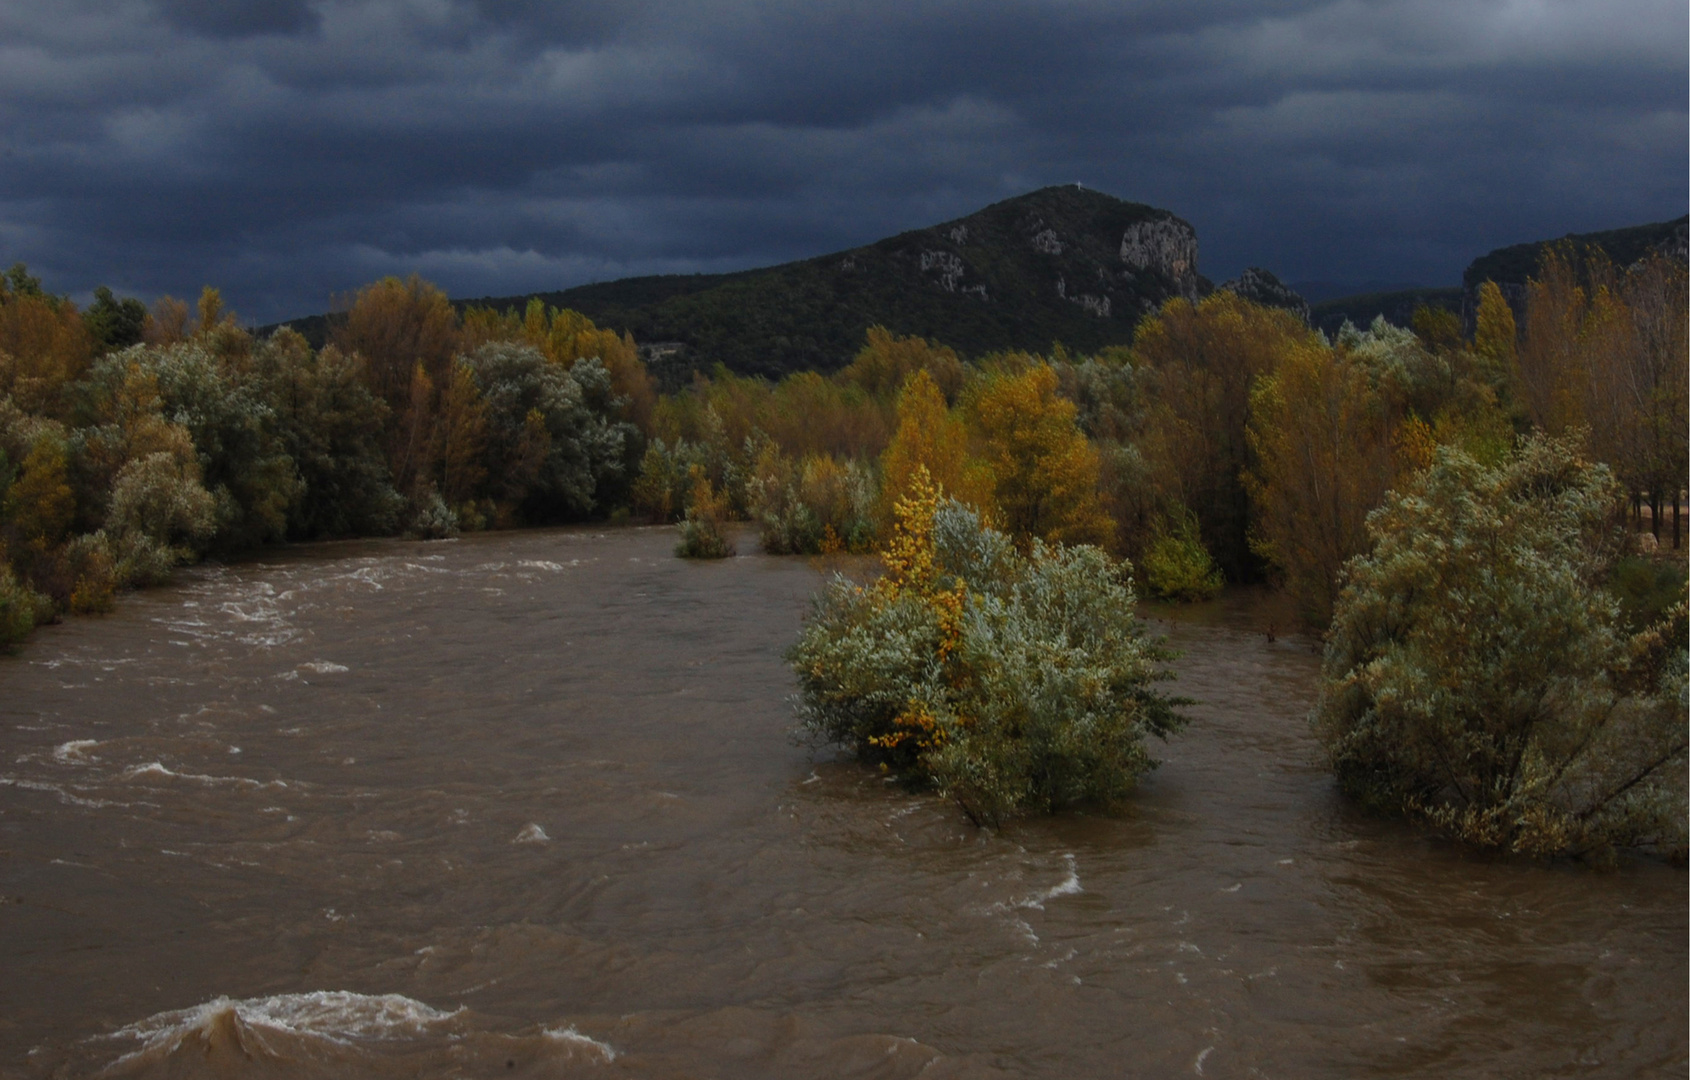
[525,804]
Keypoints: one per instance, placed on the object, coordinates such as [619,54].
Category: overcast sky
[289,150]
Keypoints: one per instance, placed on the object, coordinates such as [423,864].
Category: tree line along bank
[1227,442]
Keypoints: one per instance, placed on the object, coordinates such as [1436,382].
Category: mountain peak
[1064,263]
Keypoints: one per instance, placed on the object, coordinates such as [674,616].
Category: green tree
[332,426]
[1480,677]
[113,323]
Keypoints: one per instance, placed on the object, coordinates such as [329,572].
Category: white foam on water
[337,1016]
[64,796]
[532,834]
[540,564]
[575,1038]
[1068,886]
[72,753]
[323,667]
[155,768]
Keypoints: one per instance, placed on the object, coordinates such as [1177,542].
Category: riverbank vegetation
[1228,442]
[1479,676]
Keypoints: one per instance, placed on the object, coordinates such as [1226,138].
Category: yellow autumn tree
[1551,366]
[1324,457]
[398,326]
[1044,471]
[1495,335]
[929,437]
[462,431]
[886,361]
[1204,359]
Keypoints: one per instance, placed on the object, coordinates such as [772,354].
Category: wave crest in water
[287,1028]
[338,1015]
[339,1033]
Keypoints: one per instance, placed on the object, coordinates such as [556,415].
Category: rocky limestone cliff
[1167,246]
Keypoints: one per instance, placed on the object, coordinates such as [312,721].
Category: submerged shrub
[20,608]
[93,573]
[432,519]
[1010,683]
[817,505]
[701,530]
[1177,566]
[1480,677]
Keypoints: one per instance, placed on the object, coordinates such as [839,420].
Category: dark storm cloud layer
[288,150]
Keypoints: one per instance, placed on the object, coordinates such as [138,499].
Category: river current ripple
[527,804]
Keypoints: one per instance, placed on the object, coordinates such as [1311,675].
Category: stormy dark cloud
[288,150]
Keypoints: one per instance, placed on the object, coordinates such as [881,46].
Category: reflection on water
[526,803]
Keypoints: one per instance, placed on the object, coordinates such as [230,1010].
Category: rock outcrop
[1263,287]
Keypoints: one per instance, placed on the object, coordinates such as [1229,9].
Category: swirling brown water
[525,804]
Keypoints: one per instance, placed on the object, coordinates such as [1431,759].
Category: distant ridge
[1510,267]
[1061,264]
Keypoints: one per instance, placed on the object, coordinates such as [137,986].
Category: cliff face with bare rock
[1059,264]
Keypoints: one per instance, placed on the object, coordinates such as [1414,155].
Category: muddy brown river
[526,804]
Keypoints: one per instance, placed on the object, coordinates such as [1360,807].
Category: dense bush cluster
[1011,682]
[1480,676]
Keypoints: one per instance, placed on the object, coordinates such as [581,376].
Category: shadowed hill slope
[1058,264]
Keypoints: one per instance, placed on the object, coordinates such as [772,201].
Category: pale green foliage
[1111,398]
[663,487]
[158,515]
[431,518]
[242,460]
[815,505]
[1177,566]
[1011,683]
[1477,675]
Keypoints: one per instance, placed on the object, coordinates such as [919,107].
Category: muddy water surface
[525,804]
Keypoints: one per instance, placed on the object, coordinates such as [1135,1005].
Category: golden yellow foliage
[885,362]
[1044,472]
[1206,358]
[396,326]
[930,437]
[908,552]
[1494,335]
[1323,459]
[43,347]
[463,436]
[39,504]
[911,569]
